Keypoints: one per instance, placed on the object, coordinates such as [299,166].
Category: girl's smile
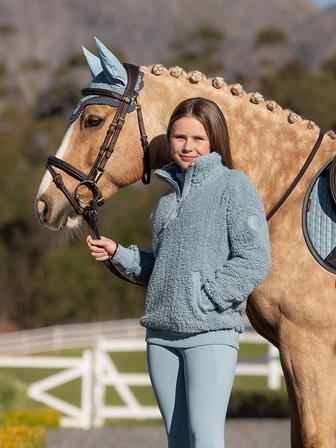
[188,140]
[187,158]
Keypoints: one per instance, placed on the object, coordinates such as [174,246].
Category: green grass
[132,362]
[251,350]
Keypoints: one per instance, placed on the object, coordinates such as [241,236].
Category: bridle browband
[90,181]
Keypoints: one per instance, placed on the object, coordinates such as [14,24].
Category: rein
[88,209]
[297,177]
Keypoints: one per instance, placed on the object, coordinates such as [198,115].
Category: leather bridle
[88,209]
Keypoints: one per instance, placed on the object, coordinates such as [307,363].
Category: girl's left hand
[101,249]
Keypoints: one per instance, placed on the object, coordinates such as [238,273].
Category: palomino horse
[295,307]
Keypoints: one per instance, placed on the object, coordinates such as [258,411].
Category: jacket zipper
[178,200]
[173,214]
[179,194]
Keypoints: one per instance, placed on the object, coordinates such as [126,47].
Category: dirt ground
[239,433]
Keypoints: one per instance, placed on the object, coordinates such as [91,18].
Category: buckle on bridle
[92,187]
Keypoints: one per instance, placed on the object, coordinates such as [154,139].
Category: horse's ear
[93,62]
[113,69]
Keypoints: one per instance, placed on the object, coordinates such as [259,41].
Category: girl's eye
[92,121]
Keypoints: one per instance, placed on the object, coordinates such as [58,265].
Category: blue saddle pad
[319,220]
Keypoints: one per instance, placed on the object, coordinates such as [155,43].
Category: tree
[7,29]
[310,95]
[329,66]
[199,49]
[78,60]
[270,36]
[33,65]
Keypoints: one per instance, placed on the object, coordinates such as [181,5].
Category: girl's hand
[101,249]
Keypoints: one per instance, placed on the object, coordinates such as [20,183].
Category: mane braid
[195,76]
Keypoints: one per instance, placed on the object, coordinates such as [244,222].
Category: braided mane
[256,98]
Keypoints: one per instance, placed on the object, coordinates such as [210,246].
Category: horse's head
[89,130]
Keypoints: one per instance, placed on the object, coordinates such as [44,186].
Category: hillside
[315,37]
[49,31]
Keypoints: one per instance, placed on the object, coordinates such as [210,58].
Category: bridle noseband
[88,209]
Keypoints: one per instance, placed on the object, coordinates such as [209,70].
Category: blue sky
[325,2]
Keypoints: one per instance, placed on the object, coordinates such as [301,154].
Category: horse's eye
[92,121]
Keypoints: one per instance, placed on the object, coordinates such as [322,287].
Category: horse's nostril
[42,209]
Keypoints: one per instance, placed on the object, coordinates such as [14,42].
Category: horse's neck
[264,144]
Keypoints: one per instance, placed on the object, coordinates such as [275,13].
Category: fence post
[87,389]
[98,387]
[274,369]
[57,338]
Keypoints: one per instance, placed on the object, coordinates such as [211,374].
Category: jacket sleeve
[134,263]
[250,252]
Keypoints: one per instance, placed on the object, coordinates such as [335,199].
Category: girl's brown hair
[213,120]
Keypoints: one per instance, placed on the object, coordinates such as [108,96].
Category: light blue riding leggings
[192,387]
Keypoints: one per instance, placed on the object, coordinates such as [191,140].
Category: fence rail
[73,336]
[70,336]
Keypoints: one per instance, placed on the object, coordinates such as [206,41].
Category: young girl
[210,250]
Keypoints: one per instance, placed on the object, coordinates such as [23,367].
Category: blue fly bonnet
[107,74]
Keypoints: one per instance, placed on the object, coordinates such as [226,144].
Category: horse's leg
[268,331]
[295,426]
[308,361]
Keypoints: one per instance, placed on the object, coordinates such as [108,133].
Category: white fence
[98,371]
[70,336]
[106,374]
[74,368]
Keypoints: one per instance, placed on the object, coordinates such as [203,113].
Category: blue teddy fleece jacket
[209,240]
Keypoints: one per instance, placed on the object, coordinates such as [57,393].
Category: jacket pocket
[200,296]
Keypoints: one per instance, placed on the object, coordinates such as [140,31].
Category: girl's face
[188,140]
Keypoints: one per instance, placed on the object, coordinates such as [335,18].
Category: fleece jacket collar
[197,172]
